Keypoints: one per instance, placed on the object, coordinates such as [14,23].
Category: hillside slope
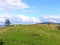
[30,35]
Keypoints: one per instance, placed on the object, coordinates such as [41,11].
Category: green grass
[36,34]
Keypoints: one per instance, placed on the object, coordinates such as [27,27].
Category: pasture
[35,34]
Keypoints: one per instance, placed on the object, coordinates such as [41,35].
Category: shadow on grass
[58,27]
[1,43]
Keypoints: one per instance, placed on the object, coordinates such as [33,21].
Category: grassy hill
[36,34]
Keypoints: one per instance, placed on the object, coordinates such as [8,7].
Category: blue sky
[45,6]
[29,11]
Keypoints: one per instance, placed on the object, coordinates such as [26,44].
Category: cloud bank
[50,18]
[17,19]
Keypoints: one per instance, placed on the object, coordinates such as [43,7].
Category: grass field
[36,34]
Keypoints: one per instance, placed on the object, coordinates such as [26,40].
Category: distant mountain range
[49,23]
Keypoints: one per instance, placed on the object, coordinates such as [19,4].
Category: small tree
[7,22]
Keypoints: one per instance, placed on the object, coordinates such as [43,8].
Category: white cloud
[26,19]
[18,18]
[51,18]
[12,4]
[35,20]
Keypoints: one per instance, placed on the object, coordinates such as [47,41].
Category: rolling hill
[34,34]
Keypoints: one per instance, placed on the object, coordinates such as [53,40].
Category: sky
[29,11]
